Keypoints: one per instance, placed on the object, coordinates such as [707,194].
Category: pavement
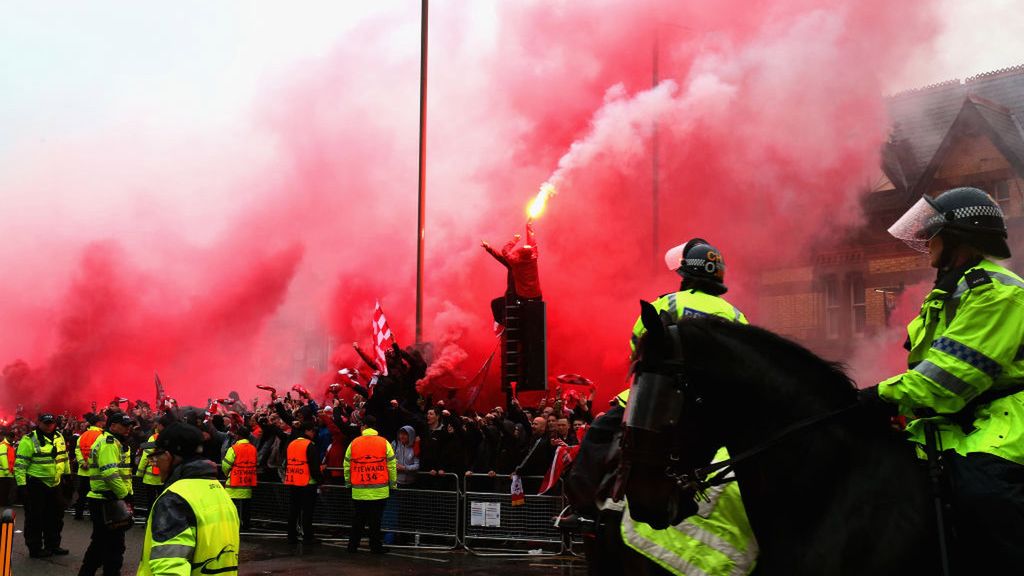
[272,555]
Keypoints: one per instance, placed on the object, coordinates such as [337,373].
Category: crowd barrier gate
[437,512]
[525,525]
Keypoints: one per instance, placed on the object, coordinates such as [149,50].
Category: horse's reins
[700,479]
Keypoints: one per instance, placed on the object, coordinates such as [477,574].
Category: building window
[832,307]
[1001,193]
[858,304]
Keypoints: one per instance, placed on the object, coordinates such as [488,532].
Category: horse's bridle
[656,401]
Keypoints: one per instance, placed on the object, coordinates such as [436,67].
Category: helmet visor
[918,225]
[674,258]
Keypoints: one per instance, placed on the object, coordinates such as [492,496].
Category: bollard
[6,540]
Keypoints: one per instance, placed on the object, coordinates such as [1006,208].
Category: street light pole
[422,173]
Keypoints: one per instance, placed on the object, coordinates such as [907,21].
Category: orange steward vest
[296,472]
[85,443]
[369,466]
[243,472]
[12,454]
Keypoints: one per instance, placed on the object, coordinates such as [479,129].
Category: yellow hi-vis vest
[110,465]
[148,470]
[717,541]
[7,457]
[82,447]
[41,458]
[209,547]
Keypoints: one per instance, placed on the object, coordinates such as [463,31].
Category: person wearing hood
[407,461]
[193,525]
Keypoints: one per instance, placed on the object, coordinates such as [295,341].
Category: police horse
[829,487]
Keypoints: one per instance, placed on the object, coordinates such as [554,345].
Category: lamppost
[420,231]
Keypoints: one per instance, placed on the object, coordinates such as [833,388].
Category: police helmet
[968,214]
[698,260]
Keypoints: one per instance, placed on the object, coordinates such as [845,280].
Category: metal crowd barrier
[438,511]
[513,529]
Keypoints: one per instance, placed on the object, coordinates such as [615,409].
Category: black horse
[845,495]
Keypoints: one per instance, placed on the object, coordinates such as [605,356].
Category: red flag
[382,338]
[477,383]
[564,455]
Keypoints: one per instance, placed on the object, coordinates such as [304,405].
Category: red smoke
[769,118]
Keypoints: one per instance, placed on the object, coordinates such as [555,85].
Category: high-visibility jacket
[197,528]
[370,466]
[689,303]
[296,472]
[239,466]
[148,469]
[111,464]
[42,458]
[82,448]
[717,541]
[964,343]
[7,458]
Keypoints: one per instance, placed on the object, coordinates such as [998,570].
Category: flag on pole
[160,395]
[564,455]
[382,338]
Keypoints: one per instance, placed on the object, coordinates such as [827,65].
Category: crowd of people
[252,442]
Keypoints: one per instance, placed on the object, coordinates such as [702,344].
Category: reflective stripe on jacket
[42,458]
[296,471]
[963,344]
[7,458]
[82,448]
[717,541]
[689,303]
[111,467]
[148,470]
[239,467]
[370,466]
[207,546]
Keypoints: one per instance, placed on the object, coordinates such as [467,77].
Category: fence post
[6,540]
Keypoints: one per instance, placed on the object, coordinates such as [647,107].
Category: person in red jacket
[334,461]
[524,279]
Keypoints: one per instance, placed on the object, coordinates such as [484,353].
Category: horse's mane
[829,376]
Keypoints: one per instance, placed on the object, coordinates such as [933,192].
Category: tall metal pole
[423,173]
[655,208]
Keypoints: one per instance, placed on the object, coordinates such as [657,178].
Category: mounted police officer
[966,371]
[717,540]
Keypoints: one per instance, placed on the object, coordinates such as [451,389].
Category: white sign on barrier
[487,514]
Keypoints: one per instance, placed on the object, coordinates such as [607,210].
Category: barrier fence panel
[430,507]
[490,517]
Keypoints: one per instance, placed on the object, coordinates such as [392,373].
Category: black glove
[869,399]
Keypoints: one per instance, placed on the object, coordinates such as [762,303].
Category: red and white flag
[382,338]
[564,455]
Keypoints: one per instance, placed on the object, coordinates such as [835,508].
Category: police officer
[110,481]
[718,540]
[239,468]
[82,456]
[303,477]
[148,470]
[370,469]
[193,526]
[7,459]
[966,366]
[42,458]
[702,269]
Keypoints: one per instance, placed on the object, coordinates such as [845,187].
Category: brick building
[957,133]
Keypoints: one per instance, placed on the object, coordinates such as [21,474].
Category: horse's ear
[651,319]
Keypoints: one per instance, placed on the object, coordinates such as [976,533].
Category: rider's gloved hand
[871,401]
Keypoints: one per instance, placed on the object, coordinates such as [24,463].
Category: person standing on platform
[239,468]
[42,458]
[371,471]
[303,476]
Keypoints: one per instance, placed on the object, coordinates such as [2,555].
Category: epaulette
[977,277]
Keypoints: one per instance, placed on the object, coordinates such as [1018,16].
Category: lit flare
[540,201]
